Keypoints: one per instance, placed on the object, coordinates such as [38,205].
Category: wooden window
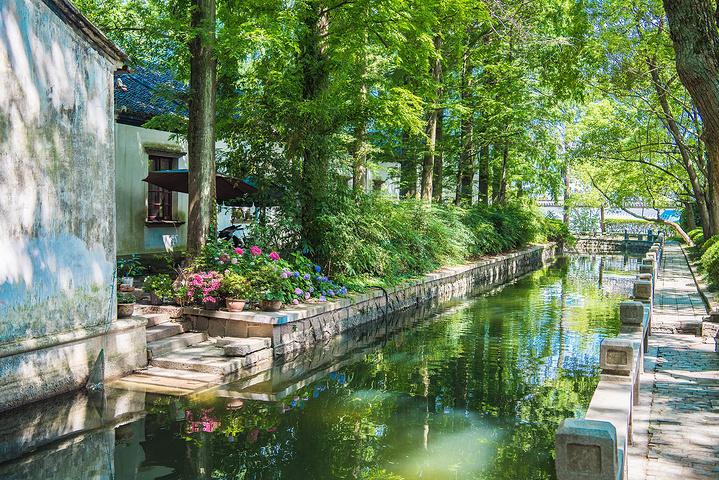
[159,200]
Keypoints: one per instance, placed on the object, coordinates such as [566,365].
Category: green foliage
[377,237]
[697,236]
[502,227]
[235,285]
[160,285]
[555,230]
[129,266]
[124,297]
[710,263]
[267,283]
[709,242]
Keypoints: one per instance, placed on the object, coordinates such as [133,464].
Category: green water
[472,389]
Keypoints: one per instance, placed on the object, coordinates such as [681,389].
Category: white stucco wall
[57,210]
[132,165]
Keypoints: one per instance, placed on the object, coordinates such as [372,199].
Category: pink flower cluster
[204,285]
[255,251]
[204,424]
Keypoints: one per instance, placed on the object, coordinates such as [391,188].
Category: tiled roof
[144,93]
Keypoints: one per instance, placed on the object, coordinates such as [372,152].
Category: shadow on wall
[56,176]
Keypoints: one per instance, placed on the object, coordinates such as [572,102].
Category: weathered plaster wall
[132,163]
[57,210]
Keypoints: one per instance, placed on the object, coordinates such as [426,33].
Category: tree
[696,42]
[202,212]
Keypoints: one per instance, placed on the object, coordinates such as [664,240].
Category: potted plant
[204,288]
[125,304]
[128,268]
[159,287]
[236,289]
[271,286]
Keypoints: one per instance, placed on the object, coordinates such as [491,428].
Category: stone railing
[594,447]
[610,244]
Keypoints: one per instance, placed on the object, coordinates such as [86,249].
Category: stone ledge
[708,329]
[29,345]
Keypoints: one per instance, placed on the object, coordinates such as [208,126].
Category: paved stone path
[677,422]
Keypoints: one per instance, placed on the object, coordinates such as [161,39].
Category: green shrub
[124,297]
[555,230]
[160,285]
[710,262]
[503,227]
[708,243]
[695,233]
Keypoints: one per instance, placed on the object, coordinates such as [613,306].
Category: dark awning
[176,180]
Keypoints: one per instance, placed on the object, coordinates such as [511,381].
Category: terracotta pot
[211,305]
[235,305]
[270,305]
[125,310]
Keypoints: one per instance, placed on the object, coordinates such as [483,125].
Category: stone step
[164,330]
[240,347]
[171,310]
[172,344]
[209,358]
[156,318]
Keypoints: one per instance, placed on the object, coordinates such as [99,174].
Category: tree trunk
[465,170]
[202,214]
[566,213]
[693,28]
[689,214]
[432,117]
[499,177]
[407,168]
[359,159]
[438,175]
[315,158]
[483,184]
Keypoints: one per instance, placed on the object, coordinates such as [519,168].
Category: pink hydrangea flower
[274,256]
[255,251]
[239,251]
[295,301]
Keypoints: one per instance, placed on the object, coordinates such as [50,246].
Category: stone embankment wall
[608,245]
[300,328]
[57,205]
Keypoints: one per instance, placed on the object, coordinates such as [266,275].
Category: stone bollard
[616,357]
[653,263]
[642,290]
[648,277]
[645,268]
[586,450]
[631,313]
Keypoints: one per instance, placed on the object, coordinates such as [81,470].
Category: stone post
[642,290]
[616,357]
[587,450]
[631,314]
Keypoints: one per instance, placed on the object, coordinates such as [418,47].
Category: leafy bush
[711,241]
[503,227]
[160,285]
[697,235]
[123,297]
[556,231]
[710,262]
[377,237]
[235,285]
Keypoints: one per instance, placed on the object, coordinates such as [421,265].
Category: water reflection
[469,390]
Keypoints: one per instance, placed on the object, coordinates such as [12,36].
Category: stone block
[616,356]
[646,268]
[642,289]
[631,312]
[245,346]
[586,450]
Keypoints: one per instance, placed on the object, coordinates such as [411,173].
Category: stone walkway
[676,425]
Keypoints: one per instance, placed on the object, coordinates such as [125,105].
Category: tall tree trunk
[689,214]
[359,158]
[438,175]
[687,160]
[202,214]
[428,163]
[466,166]
[407,168]
[499,177]
[693,28]
[566,213]
[315,159]
[483,183]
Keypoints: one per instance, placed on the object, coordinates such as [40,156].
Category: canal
[471,389]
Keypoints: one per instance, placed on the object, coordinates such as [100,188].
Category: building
[57,208]
[149,218]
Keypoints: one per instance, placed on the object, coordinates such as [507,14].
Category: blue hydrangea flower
[317,268]
[306,276]
[296,274]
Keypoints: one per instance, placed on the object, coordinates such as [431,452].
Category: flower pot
[125,310]
[270,305]
[130,281]
[235,305]
[210,305]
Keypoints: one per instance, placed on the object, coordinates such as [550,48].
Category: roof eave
[80,23]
